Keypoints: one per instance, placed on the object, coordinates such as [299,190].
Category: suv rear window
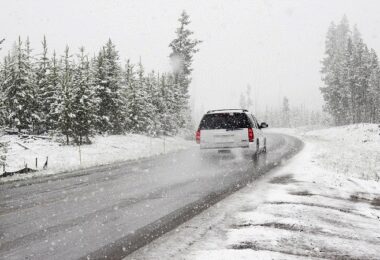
[224,121]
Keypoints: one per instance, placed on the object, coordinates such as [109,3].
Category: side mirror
[263,125]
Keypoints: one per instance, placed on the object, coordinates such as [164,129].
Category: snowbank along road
[111,211]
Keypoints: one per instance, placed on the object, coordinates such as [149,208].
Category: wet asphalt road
[113,210]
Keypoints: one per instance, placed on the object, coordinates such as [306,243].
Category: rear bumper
[236,151]
[224,147]
[211,146]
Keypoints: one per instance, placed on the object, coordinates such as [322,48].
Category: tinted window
[225,121]
[254,123]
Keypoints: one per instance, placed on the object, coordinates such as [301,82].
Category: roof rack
[215,110]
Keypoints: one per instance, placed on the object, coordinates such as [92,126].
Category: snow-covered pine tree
[65,103]
[328,71]
[161,105]
[102,123]
[6,67]
[349,74]
[133,97]
[374,89]
[53,95]
[141,113]
[166,105]
[364,91]
[18,91]
[2,106]
[32,83]
[183,48]
[43,93]
[177,103]
[83,105]
[361,72]
[117,106]
[3,79]
[153,106]
[332,67]
[347,90]
[128,83]
[108,90]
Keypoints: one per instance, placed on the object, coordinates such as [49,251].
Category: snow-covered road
[323,204]
[112,210]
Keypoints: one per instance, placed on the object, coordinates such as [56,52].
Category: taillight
[198,136]
[251,136]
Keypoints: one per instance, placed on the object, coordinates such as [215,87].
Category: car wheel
[257,146]
[265,145]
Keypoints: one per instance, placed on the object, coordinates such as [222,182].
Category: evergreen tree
[167,105]
[162,105]
[5,81]
[336,43]
[34,105]
[361,74]
[108,90]
[102,124]
[139,106]
[65,102]
[43,92]
[52,95]
[83,101]
[349,73]
[129,94]
[374,89]
[2,105]
[183,48]
[18,91]
[330,77]
[153,107]
[346,87]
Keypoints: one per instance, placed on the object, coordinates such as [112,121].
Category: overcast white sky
[275,46]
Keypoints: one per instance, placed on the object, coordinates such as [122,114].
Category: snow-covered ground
[325,203]
[63,158]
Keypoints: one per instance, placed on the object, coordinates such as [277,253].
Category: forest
[77,95]
[351,74]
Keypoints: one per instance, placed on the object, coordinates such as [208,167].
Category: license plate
[223,136]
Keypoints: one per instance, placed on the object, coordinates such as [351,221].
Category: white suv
[231,128]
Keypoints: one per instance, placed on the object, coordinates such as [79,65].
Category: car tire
[257,146]
[265,145]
